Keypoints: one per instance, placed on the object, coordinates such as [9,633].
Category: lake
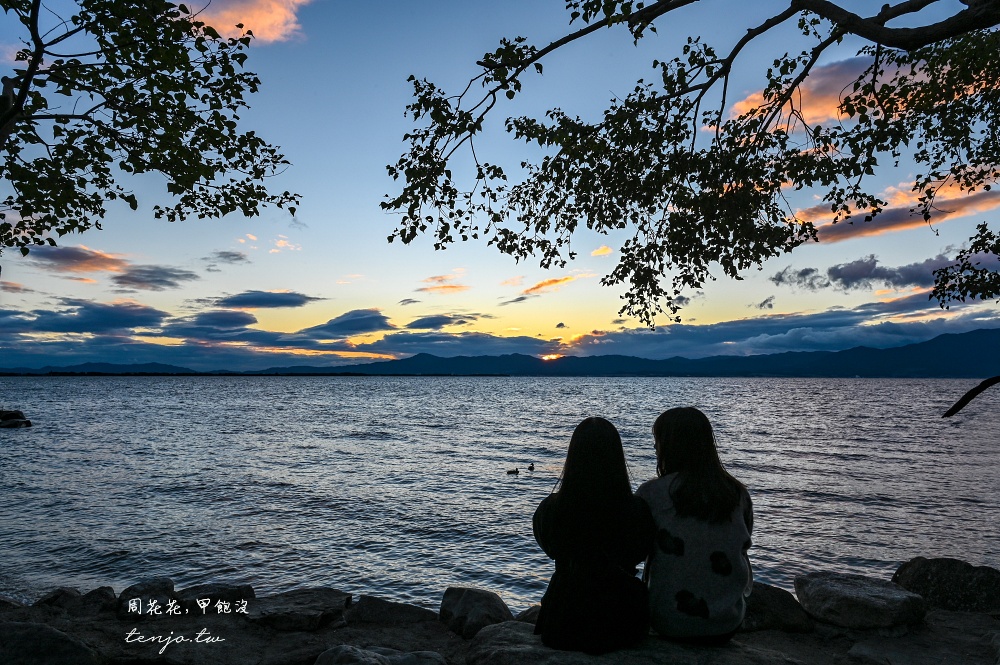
[397,486]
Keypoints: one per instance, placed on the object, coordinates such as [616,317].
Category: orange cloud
[14,287]
[603,250]
[513,281]
[819,95]
[444,288]
[270,20]
[900,217]
[443,283]
[80,259]
[550,285]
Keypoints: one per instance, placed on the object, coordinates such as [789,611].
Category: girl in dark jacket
[597,531]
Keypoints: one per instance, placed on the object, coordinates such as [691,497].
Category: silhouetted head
[595,471]
[685,445]
[684,441]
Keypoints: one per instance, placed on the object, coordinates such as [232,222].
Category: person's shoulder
[547,504]
[655,486]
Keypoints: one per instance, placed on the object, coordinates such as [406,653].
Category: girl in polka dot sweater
[698,573]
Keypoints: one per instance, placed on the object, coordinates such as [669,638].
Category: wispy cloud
[518,299]
[901,213]
[443,284]
[408,301]
[549,285]
[153,278]
[224,256]
[603,250]
[80,259]
[14,287]
[438,321]
[265,299]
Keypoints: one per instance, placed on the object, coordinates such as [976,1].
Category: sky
[324,288]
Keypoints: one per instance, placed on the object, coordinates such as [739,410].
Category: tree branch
[979,15]
[969,396]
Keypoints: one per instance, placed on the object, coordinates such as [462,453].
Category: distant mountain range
[966,355]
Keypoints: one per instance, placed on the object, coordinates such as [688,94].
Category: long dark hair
[685,445]
[595,480]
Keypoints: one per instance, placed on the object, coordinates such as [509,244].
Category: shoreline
[933,610]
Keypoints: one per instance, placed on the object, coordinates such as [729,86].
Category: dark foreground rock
[952,584]
[24,643]
[857,601]
[228,625]
[467,611]
[771,608]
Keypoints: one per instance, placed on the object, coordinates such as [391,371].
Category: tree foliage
[694,200]
[125,87]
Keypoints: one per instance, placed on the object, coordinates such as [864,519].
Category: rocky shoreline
[932,611]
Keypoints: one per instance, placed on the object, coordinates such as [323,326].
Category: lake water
[397,486]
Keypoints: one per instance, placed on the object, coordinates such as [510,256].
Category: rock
[149,599]
[370,609]
[23,643]
[11,415]
[301,609]
[856,601]
[529,615]
[952,584]
[101,599]
[345,654]
[771,608]
[63,597]
[13,423]
[514,643]
[214,593]
[467,610]
[7,603]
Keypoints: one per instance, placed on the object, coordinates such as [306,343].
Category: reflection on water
[397,486]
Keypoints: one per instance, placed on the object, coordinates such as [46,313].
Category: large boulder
[370,609]
[346,654]
[952,584]
[23,643]
[772,608]
[467,610]
[857,601]
[301,609]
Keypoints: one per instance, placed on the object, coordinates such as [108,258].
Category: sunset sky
[325,288]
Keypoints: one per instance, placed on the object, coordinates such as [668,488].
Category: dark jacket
[594,602]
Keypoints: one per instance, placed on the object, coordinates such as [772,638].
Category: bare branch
[979,15]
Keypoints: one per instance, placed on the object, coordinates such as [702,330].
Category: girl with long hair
[597,532]
[698,572]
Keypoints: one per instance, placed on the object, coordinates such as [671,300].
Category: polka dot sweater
[698,573]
